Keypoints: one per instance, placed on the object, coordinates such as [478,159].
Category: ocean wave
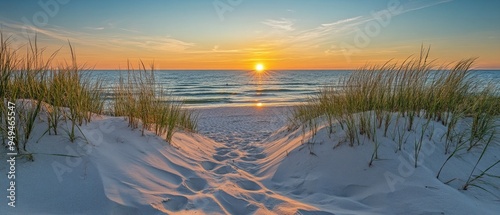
[207,101]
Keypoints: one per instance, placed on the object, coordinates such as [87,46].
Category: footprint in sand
[222,151]
[234,155]
[248,185]
[196,184]
[259,156]
[223,154]
[231,203]
[208,165]
[255,157]
[220,158]
[247,158]
[252,149]
[224,170]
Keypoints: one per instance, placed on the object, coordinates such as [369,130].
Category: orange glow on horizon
[110,59]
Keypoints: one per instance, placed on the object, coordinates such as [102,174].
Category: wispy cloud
[95,28]
[327,29]
[327,34]
[29,31]
[216,50]
[129,30]
[115,41]
[282,24]
[159,43]
[343,21]
[418,5]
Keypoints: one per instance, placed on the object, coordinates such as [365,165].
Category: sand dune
[243,161]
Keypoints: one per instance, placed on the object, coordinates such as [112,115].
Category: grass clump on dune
[66,96]
[58,93]
[143,102]
[378,100]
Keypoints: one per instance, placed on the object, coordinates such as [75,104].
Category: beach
[232,107]
[238,163]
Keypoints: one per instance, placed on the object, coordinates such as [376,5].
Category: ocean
[223,88]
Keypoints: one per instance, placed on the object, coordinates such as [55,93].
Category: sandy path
[241,130]
[241,125]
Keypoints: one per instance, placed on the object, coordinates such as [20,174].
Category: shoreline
[244,124]
[244,105]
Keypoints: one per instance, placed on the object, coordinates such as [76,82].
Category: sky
[238,34]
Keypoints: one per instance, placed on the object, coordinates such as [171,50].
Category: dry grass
[67,97]
[143,102]
[373,95]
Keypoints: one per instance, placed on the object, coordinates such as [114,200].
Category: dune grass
[147,105]
[66,97]
[374,97]
[59,94]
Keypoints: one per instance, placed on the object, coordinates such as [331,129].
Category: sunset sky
[237,34]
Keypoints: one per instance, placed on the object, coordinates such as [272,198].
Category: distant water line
[245,88]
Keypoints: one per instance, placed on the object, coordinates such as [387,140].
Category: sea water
[214,88]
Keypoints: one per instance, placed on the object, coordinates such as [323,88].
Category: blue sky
[236,34]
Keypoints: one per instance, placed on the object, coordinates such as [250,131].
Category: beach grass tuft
[148,106]
[67,96]
[374,98]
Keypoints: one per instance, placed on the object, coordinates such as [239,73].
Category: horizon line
[337,69]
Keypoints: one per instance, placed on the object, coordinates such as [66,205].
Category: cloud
[129,30]
[326,29]
[30,31]
[116,41]
[343,21]
[216,49]
[329,33]
[282,24]
[159,43]
[95,28]
[418,5]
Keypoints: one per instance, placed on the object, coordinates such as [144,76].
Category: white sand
[256,166]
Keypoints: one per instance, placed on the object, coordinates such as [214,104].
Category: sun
[259,67]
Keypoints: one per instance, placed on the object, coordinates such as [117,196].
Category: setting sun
[259,67]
